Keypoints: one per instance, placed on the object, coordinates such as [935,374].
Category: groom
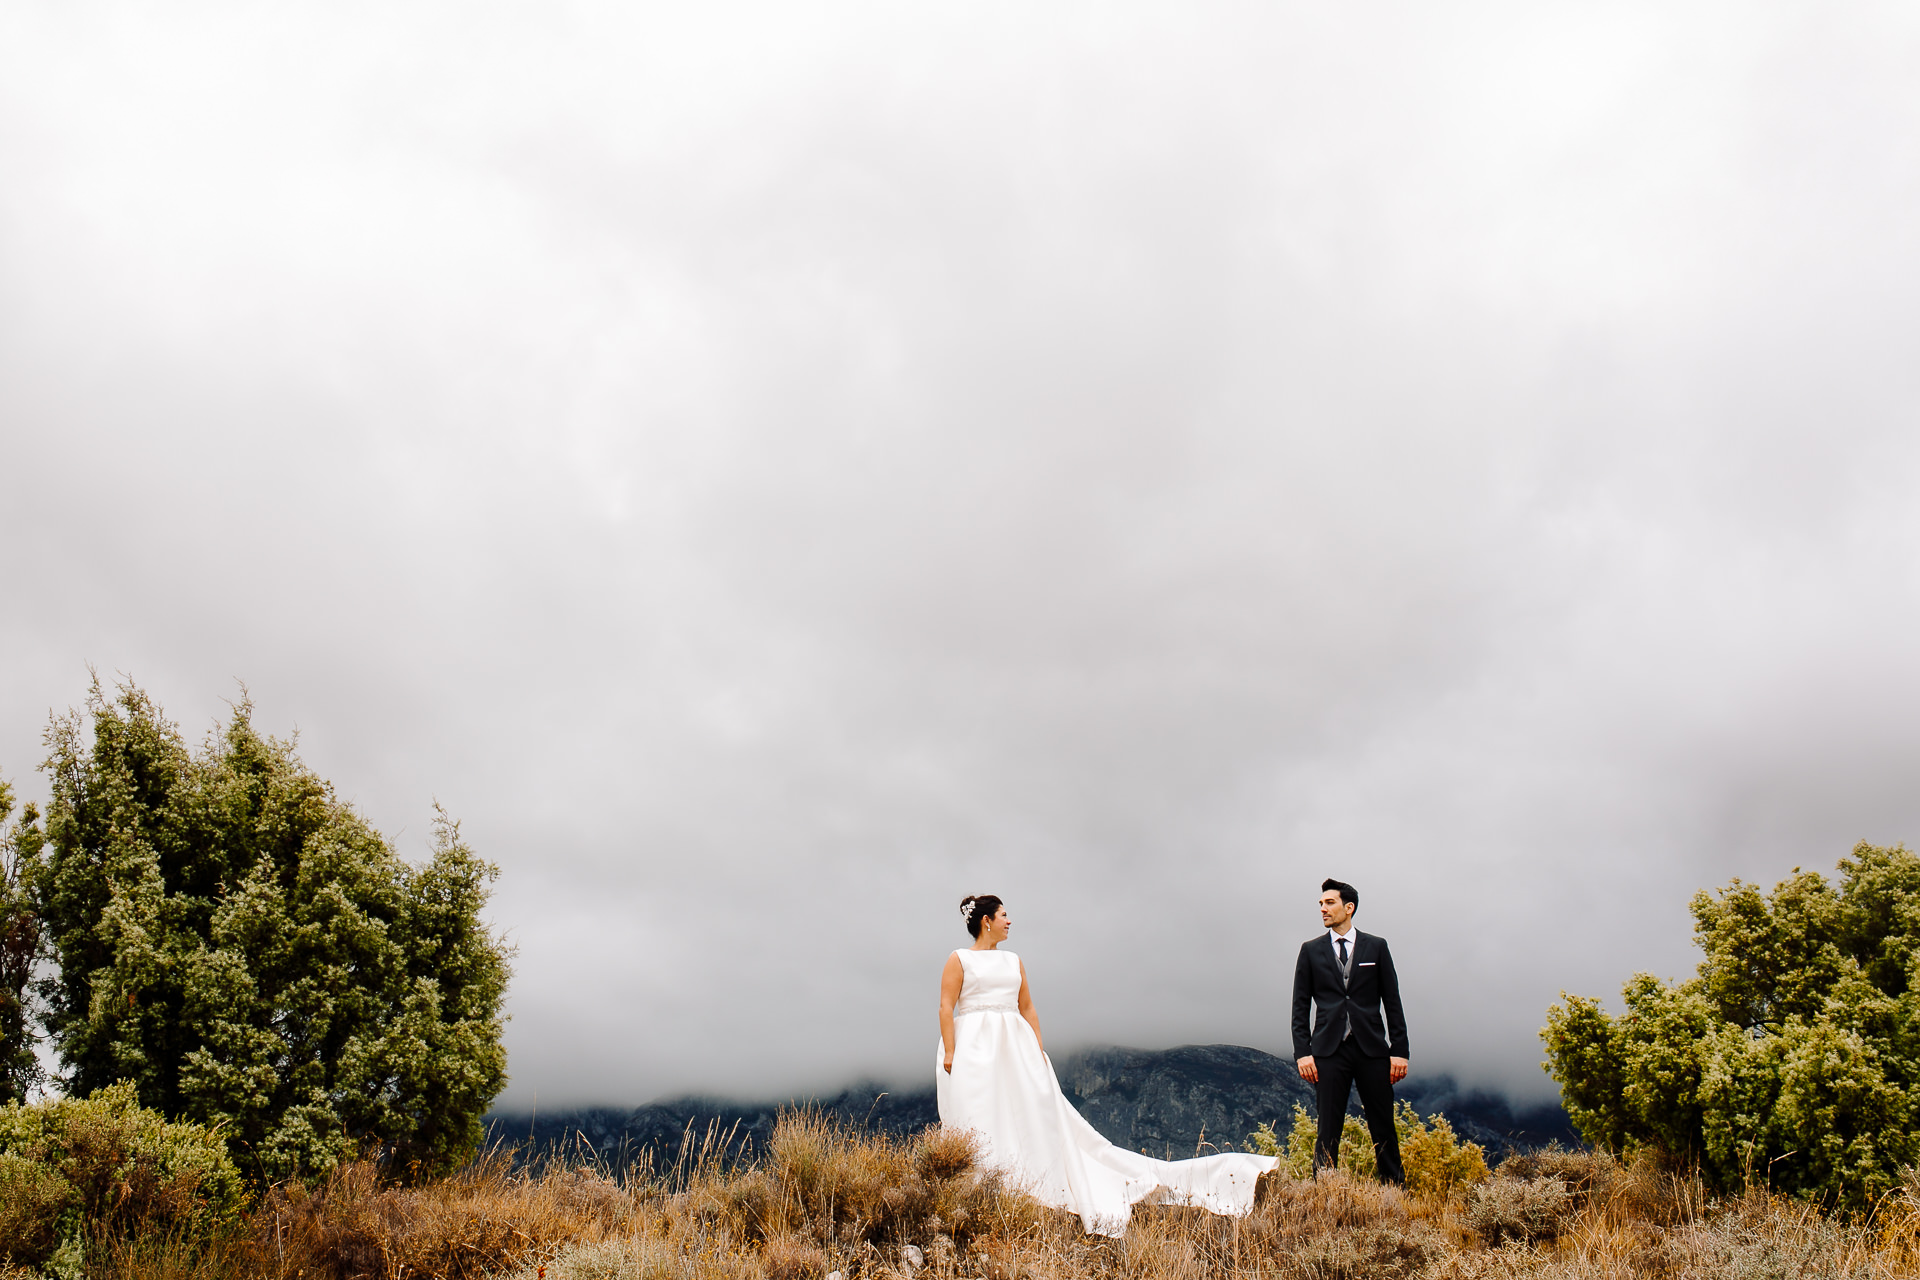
[1348,977]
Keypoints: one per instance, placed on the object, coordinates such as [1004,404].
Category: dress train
[1004,1090]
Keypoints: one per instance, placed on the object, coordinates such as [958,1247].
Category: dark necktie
[1346,975]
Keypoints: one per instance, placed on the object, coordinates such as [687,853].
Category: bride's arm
[1027,1010]
[950,979]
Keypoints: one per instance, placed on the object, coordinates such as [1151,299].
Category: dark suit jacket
[1374,986]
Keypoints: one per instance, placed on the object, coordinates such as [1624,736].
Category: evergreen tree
[1792,1058]
[20,949]
[250,953]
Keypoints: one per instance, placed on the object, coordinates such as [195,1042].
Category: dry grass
[822,1199]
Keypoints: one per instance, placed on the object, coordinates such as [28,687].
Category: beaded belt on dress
[963,1010]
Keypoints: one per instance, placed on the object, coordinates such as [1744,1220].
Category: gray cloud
[771,472]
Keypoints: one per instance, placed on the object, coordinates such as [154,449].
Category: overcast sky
[773,471]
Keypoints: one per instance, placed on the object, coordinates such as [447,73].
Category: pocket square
[1365,963]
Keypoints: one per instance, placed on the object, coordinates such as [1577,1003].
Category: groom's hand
[1397,1070]
[1311,1073]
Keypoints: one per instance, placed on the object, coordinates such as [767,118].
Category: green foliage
[33,1199]
[1356,1148]
[1437,1163]
[1792,1057]
[1435,1160]
[243,947]
[1296,1152]
[70,1167]
[20,948]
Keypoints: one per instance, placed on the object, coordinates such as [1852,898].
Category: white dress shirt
[1352,935]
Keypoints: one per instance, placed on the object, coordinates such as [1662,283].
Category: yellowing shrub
[1436,1161]
[70,1165]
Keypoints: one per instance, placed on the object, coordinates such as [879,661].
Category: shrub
[1335,1226]
[32,1198]
[1527,1210]
[1435,1160]
[1296,1152]
[483,1220]
[1363,1254]
[792,1257]
[1785,1060]
[1587,1175]
[822,1197]
[76,1166]
[243,946]
[837,1185]
[1899,1223]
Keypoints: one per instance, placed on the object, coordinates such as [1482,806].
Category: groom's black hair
[1348,894]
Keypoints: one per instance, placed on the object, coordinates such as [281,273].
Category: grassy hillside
[822,1199]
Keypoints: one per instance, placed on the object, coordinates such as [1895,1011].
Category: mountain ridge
[1166,1102]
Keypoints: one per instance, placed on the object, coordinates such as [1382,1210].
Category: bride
[996,1080]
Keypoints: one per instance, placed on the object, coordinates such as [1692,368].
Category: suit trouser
[1340,1073]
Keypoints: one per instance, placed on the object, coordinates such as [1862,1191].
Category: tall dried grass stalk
[822,1197]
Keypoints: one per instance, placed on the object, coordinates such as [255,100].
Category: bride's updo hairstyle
[977,911]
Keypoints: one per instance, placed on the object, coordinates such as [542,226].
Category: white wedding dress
[1003,1089]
